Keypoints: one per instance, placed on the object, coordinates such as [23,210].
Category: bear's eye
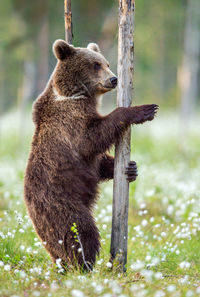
[97,66]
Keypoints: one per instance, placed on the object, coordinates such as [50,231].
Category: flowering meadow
[164,219]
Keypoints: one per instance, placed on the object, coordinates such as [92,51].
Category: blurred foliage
[159,30]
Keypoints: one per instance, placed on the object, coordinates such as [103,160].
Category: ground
[164,220]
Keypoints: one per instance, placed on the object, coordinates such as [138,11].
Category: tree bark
[122,152]
[68,21]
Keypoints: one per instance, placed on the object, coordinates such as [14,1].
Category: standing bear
[68,155]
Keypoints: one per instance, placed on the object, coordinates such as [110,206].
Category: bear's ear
[94,47]
[62,49]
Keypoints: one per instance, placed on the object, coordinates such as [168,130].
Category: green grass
[164,221]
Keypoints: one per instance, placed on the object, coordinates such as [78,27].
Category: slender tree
[188,76]
[68,21]
[122,152]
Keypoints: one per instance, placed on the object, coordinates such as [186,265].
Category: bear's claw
[131,171]
[150,112]
[146,113]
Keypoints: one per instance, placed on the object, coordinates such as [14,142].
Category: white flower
[22,274]
[143,205]
[182,281]
[104,226]
[155,260]
[152,219]
[28,250]
[22,247]
[148,258]
[137,228]
[158,275]
[157,226]
[184,265]
[170,210]
[60,241]
[109,264]
[171,288]
[163,234]
[58,261]
[79,250]
[99,262]
[99,289]
[7,267]
[144,223]
[148,274]
[137,265]
[77,293]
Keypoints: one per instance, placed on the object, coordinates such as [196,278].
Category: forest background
[164,206]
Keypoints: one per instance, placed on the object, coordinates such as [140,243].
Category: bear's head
[81,71]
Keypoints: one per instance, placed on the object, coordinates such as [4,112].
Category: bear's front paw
[131,171]
[146,113]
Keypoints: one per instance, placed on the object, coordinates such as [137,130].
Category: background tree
[188,75]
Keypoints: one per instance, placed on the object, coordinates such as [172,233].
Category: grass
[164,220]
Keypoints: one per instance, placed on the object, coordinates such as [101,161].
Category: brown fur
[68,155]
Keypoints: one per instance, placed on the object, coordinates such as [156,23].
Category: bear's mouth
[108,86]
[105,88]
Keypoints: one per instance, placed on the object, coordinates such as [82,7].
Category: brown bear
[68,155]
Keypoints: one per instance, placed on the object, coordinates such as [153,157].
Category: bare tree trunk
[2,89]
[27,87]
[2,82]
[43,61]
[68,21]
[25,94]
[122,153]
[188,72]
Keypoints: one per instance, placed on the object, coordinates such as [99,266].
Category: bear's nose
[113,81]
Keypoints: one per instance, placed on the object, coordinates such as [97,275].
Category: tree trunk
[68,21]
[122,153]
[188,72]
[43,57]
[25,94]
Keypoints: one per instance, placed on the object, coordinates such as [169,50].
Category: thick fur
[68,154]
